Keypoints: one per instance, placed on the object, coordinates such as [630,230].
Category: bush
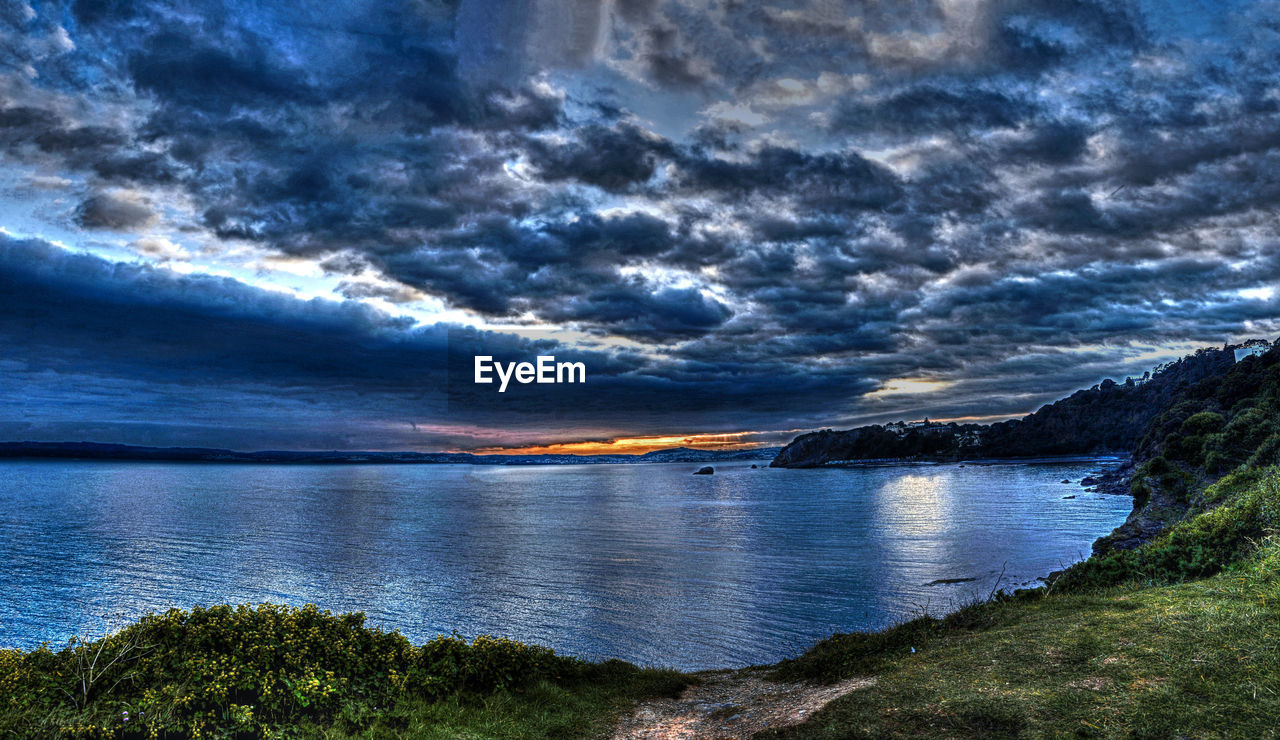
[447,665]
[1204,422]
[1268,453]
[1169,476]
[249,671]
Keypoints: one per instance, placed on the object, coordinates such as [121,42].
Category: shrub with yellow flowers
[223,671]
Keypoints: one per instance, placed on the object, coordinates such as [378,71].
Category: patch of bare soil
[729,705]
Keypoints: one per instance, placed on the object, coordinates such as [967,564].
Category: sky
[293,225]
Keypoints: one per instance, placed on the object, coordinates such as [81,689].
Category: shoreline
[1117,457]
[1101,478]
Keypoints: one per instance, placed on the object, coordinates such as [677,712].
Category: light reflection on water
[644,562]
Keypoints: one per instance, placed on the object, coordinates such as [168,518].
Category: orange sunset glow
[635,445]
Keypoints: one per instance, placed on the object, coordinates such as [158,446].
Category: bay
[644,562]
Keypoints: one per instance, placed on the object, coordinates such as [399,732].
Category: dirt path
[730,705]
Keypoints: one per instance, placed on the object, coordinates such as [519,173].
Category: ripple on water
[643,562]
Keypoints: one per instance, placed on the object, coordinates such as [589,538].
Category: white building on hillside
[1251,351]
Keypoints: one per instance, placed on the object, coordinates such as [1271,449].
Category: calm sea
[643,562]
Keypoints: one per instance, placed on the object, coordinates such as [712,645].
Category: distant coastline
[137,453]
[1116,457]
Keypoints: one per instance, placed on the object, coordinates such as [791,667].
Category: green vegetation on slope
[272,671]
[1230,517]
[1213,427]
[1197,659]
[1224,429]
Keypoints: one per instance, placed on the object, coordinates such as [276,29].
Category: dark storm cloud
[823,182]
[53,138]
[38,134]
[634,311]
[73,307]
[586,240]
[667,64]
[1053,142]
[1167,300]
[200,343]
[565,270]
[929,108]
[1032,37]
[26,124]
[184,70]
[613,158]
[471,282]
[31,132]
[114,212]
[282,123]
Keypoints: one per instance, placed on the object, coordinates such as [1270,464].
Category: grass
[1195,659]
[544,710]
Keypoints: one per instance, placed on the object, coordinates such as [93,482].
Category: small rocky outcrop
[1148,518]
[1159,512]
[705,470]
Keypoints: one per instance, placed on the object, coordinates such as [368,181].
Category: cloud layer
[748,216]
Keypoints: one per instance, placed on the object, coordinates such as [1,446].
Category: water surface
[643,562]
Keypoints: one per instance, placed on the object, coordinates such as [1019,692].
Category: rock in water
[708,470]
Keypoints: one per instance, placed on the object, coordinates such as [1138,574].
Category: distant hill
[97,451]
[1109,417]
[686,454]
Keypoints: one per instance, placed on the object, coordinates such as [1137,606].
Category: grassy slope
[1200,658]
[272,671]
[1196,659]
[543,710]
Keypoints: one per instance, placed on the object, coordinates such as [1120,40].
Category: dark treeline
[1212,427]
[1109,417]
